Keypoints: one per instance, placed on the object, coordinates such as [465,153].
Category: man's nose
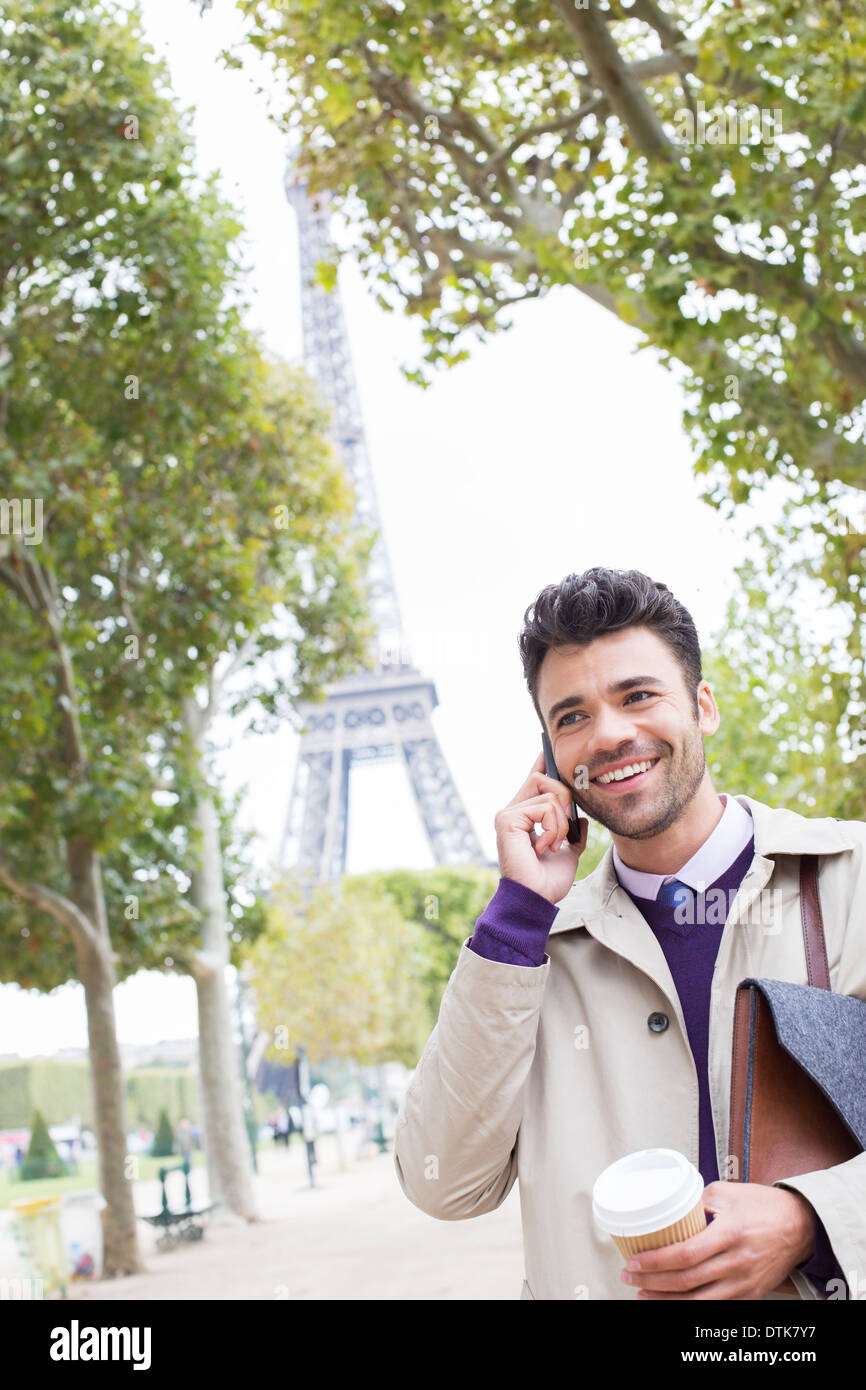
[610,728]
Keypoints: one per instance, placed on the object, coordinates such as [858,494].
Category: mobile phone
[553,771]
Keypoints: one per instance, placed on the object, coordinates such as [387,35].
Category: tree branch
[123,595]
[239,660]
[13,575]
[847,354]
[399,94]
[194,716]
[574,120]
[675,43]
[616,79]
[647,10]
[57,906]
[74,749]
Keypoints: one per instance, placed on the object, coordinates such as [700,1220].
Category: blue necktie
[674,893]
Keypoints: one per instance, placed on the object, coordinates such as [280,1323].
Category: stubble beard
[683,779]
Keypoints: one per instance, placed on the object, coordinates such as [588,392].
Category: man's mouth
[631,776]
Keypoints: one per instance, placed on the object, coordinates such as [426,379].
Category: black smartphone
[553,771]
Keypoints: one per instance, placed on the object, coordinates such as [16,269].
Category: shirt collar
[777,831]
[707,864]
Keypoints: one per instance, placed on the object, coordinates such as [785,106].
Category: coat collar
[777,831]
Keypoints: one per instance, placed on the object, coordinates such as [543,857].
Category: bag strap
[813,926]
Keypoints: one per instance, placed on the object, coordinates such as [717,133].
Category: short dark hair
[584,606]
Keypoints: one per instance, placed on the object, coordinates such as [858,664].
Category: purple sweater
[514,928]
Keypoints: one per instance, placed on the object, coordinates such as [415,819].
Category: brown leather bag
[782,1124]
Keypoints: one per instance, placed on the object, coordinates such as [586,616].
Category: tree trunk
[96,973]
[227,1147]
[83,911]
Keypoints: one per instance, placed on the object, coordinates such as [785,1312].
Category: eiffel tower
[376,714]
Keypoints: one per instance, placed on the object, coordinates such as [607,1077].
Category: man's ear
[708,716]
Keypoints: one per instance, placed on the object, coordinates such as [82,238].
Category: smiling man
[588,1019]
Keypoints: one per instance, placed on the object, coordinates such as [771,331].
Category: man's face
[627,703]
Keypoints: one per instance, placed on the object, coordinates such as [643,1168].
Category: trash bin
[16,1268]
[81,1224]
[37,1221]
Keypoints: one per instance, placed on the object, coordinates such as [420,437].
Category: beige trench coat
[549,1073]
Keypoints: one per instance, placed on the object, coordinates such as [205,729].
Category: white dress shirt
[707,864]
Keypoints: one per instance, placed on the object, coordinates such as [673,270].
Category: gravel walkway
[354,1236]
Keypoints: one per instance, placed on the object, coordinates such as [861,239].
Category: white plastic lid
[89,1195]
[645,1191]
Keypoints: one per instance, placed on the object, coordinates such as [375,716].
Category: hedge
[61,1090]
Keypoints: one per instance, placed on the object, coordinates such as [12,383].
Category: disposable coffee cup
[648,1199]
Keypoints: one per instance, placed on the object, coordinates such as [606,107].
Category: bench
[186,1223]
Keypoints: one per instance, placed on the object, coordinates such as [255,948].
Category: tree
[223,547]
[358,969]
[126,380]
[163,1139]
[785,694]
[439,907]
[282,576]
[42,1159]
[694,169]
[487,153]
[332,971]
[100,235]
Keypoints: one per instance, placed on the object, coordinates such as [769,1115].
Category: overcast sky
[555,448]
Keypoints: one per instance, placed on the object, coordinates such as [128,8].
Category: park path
[354,1236]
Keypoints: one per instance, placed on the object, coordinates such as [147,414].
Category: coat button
[658,1022]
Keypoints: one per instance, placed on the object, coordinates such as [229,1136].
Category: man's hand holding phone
[544,862]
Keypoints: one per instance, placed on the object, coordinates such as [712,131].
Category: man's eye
[578,714]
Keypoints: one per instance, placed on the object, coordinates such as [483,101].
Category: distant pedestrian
[282,1125]
[184,1137]
[309,1131]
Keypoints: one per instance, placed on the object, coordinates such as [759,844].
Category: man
[571,1035]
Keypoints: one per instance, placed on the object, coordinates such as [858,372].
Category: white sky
[555,448]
